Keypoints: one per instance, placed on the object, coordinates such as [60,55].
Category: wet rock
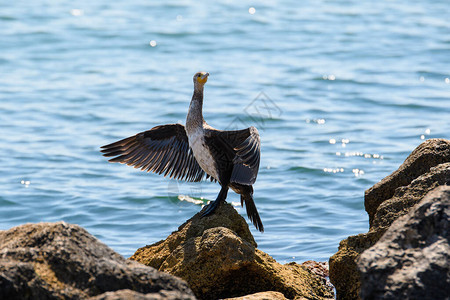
[397,193]
[217,256]
[59,260]
[428,154]
[411,260]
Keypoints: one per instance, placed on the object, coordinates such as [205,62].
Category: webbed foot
[210,208]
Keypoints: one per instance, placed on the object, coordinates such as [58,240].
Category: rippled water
[341,92]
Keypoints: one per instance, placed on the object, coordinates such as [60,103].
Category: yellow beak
[202,79]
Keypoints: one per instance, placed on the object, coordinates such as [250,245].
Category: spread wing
[162,149]
[243,148]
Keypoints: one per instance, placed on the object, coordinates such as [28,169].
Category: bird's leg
[211,207]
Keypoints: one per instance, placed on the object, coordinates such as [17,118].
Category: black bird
[187,153]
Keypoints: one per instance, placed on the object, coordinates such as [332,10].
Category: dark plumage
[162,149]
[190,153]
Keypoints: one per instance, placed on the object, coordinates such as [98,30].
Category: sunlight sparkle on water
[344,142]
[152,43]
[331,170]
[361,154]
[26,183]
[427,132]
[76,12]
[317,121]
[358,172]
[329,77]
[251,10]
[333,141]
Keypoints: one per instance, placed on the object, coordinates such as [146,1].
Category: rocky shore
[405,254]
[425,169]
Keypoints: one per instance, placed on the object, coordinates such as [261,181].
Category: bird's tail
[252,212]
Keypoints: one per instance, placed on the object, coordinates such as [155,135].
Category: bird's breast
[202,153]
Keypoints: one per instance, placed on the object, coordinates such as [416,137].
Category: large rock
[261,296]
[431,161]
[59,260]
[406,197]
[412,259]
[428,154]
[217,256]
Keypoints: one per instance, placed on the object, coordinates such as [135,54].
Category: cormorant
[187,153]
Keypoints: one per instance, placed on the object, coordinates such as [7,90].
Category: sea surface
[340,91]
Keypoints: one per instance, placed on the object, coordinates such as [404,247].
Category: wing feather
[163,149]
[243,148]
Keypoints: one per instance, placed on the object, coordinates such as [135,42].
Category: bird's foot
[210,208]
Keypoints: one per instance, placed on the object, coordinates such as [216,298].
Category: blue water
[341,92]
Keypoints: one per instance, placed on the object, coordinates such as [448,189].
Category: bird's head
[200,79]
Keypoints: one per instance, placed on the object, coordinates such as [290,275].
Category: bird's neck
[194,118]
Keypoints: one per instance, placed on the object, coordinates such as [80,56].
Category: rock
[319,268]
[133,295]
[411,260]
[261,296]
[343,273]
[406,197]
[407,191]
[428,154]
[217,256]
[59,260]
